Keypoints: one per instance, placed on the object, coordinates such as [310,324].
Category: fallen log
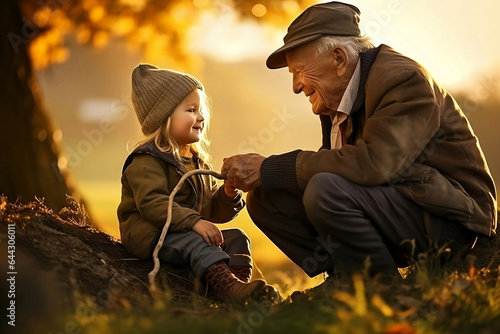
[60,260]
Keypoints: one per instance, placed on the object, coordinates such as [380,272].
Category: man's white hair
[354,45]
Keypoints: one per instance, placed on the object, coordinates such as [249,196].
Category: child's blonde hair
[165,143]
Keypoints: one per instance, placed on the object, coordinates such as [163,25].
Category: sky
[255,109]
[453,39]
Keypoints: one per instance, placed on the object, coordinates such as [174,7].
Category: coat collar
[151,149]
[366,61]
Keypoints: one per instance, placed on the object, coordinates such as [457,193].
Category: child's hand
[229,188]
[209,232]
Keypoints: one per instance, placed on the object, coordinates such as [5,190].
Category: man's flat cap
[331,18]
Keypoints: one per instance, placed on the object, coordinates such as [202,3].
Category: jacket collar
[366,61]
[151,149]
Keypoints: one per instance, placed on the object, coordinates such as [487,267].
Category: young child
[173,112]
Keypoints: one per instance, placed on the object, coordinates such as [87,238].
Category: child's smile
[187,120]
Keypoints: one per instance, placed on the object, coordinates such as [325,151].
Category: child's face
[187,120]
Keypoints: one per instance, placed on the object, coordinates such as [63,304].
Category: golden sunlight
[255,109]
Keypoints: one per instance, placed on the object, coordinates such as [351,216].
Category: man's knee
[322,194]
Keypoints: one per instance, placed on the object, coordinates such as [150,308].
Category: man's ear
[341,60]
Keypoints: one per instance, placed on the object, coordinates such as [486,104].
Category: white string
[156,268]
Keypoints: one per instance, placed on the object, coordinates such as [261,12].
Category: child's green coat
[148,178]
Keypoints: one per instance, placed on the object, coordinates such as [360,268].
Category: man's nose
[297,84]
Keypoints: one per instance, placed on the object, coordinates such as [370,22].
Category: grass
[432,299]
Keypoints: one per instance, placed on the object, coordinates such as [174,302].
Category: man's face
[321,78]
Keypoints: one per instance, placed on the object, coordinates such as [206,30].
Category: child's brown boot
[228,287]
[243,273]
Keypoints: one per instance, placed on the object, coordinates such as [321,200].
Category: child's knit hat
[157,92]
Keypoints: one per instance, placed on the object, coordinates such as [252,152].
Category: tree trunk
[29,162]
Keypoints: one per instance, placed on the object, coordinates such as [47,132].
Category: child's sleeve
[146,176]
[225,208]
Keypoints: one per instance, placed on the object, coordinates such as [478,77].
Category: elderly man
[399,171]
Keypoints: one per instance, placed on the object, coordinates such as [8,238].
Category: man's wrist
[279,171]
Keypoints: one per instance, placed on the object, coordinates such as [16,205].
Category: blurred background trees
[34,33]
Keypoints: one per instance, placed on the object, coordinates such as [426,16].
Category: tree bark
[29,154]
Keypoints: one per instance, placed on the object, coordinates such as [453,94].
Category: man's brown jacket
[404,131]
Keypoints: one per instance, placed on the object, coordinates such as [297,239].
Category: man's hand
[244,170]
[210,233]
